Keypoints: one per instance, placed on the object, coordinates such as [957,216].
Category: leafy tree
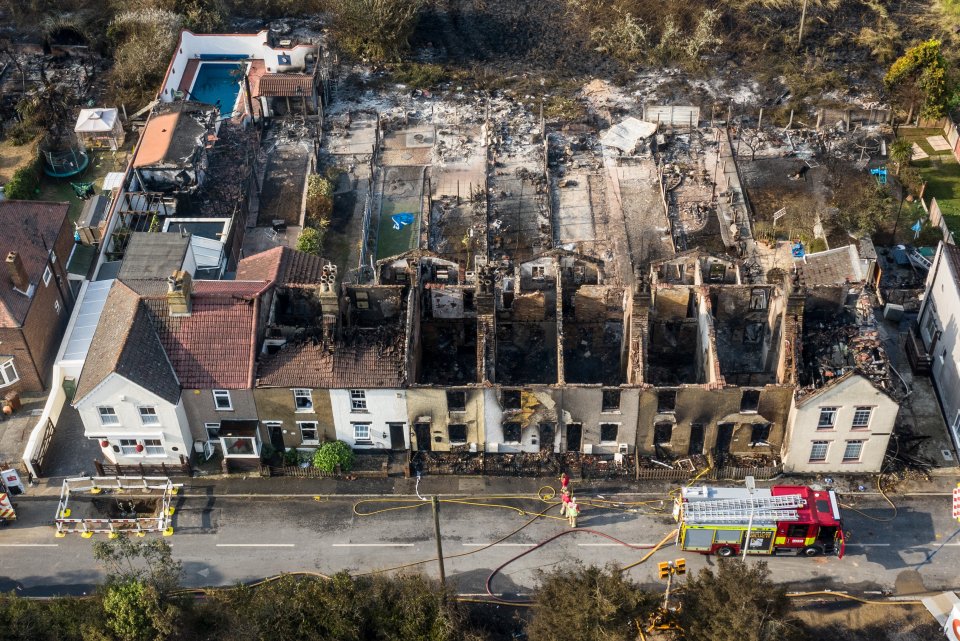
[737,602]
[920,74]
[375,29]
[587,604]
[333,454]
[137,598]
[901,150]
[310,240]
[23,184]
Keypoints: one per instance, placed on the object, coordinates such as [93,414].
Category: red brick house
[35,298]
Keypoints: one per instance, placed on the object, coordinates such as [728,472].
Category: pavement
[242,529]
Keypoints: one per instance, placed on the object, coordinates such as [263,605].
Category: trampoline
[66,163]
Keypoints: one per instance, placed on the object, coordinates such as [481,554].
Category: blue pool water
[218,81]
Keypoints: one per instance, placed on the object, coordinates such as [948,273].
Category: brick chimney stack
[180,293]
[18,275]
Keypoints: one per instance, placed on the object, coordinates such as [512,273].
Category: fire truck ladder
[768,509]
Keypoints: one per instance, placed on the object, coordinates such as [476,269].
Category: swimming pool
[218,82]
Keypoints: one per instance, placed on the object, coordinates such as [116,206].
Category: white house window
[539,272]
[148,415]
[154,447]
[861,416]
[828,417]
[852,452]
[108,416]
[221,400]
[239,445]
[47,275]
[361,432]
[8,374]
[818,452]
[128,447]
[303,400]
[358,400]
[309,434]
[213,430]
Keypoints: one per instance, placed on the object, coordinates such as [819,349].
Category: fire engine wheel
[725,551]
[812,550]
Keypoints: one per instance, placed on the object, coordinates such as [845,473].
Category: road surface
[223,540]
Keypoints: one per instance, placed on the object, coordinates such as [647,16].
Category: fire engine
[782,520]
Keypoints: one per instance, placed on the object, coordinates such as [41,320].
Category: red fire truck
[782,520]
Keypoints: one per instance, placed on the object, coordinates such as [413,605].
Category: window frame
[749,404]
[123,448]
[830,410]
[450,437]
[661,425]
[854,425]
[358,400]
[159,444]
[607,407]
[302,393]
[155,414]
[5,380]
[113,413]
[846,448]
[616,436]
[826,451]
[514,427]
[766,428]
[212,437]
[356,433]
[316,432]
[219,394]
[47,276]
[667,401]
[456,406]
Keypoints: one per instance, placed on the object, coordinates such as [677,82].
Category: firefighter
[564,482]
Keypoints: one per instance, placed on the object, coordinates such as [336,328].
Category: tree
[588,604]
[864,209]
[738,602]
[137,596]
[375,29]
[310,240]
[332,455]
[901,151]
[920,74]
[144,40]
[319,200]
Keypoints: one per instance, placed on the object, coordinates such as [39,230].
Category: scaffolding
[159,488]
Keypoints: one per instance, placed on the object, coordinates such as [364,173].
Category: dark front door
[396,436]
[574,436]
[696,439]
[276,436]
[724,436]
[422,432]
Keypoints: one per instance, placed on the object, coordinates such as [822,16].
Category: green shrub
[291,457]
[23,184]
[332,455]
[319,201]
[310,240]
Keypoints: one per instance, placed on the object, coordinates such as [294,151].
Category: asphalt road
[225,540]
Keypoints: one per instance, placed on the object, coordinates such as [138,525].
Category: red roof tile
[284,266]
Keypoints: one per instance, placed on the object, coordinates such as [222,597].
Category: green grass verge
[59,189]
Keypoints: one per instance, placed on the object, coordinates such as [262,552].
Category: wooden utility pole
[436,531]
[803,16]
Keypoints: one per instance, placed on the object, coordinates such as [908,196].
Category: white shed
[99,128]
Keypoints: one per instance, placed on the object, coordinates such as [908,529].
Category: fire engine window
[728,536]
[797,531]
[823,507]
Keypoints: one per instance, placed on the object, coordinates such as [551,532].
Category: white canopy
[96,120]
[627,134]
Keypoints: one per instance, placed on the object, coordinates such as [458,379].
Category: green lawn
[919,135]
[943,183]
[390,241]
[59,189]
